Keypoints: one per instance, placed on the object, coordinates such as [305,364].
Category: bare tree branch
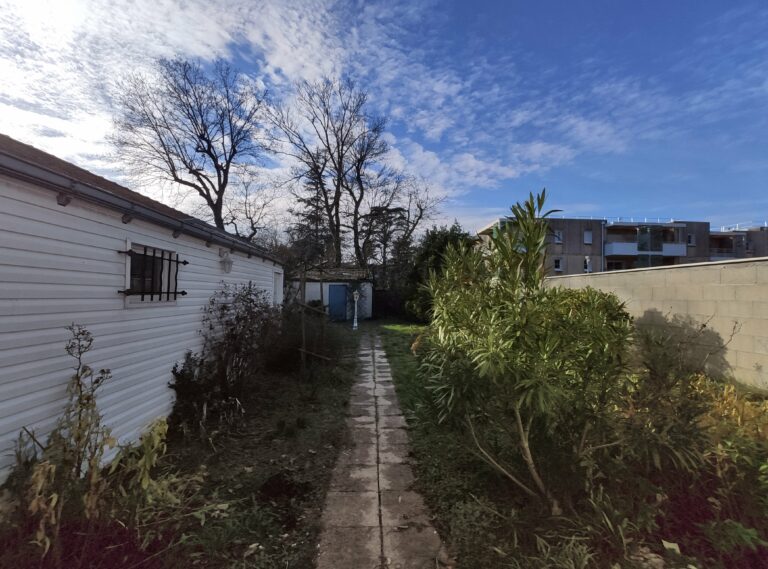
[183,125]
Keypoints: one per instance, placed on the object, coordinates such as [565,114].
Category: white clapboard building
[77,248]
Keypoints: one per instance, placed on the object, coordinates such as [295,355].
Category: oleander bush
[613,438]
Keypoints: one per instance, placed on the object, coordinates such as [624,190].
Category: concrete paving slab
[394,454]
[350,548]
[396,477]
[362,399]
[351,509]
[361,411]
[371,507]
[361,420]
[388,409]
[402,507]
[415,547]
[392,422]
[358,454]
[355,478]
[387,399]
[363,436]
[390,437]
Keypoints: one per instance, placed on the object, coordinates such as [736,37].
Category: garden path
[372,518]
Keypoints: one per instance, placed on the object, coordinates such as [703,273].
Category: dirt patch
[274,469]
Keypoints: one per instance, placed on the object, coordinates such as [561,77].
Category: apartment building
[738,243]
[592,245]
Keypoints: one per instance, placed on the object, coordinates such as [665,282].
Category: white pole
[356,296]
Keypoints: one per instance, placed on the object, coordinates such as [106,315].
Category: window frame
[558,264]
[168,277]
[588,241]
[558,236]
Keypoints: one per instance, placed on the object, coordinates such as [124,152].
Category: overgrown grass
[274,470]
[490,526]
[254,491]
[463,493]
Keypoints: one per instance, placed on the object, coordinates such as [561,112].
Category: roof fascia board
[25,171]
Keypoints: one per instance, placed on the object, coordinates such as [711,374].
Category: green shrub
[71,502]
[239,327]
[528,373]
[245,338]
[609,435]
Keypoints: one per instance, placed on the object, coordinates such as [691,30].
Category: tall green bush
[527,372]
[428,258]
[610,425]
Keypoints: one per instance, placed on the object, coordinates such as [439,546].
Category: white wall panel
[62,265]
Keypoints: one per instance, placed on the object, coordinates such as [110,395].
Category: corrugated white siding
[61,265]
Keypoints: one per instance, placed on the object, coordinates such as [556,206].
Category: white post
[356,296]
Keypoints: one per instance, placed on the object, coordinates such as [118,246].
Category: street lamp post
[356,296]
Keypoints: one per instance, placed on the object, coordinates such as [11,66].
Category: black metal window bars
[148,271]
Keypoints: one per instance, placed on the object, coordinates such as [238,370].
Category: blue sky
[645,108]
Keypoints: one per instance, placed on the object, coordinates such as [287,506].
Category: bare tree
[248,205]
[184,125]
[391,227]
[340,151]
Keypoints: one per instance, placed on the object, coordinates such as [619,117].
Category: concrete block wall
[730,296]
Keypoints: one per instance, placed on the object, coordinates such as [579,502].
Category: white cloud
[593,134]
[473,120]
[58,59]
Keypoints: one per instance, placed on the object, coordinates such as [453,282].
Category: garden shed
[78,248]
[333,288]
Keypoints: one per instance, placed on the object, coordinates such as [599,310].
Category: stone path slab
[372,518]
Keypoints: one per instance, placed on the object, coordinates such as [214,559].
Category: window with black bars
[154,274]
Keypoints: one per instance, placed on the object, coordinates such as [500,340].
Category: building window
[587,264]
[691,240]
[558,236]
[587,237]
[153,275]
[558,265]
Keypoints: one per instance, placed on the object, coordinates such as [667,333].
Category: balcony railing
[675,249]
[630,249]
[621,248]
[722,252]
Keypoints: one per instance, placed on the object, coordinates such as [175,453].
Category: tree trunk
[528,458]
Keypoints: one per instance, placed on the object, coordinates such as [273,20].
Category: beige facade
[730,297]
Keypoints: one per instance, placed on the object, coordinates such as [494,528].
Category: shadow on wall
[679,345]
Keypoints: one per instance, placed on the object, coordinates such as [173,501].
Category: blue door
[337,300]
